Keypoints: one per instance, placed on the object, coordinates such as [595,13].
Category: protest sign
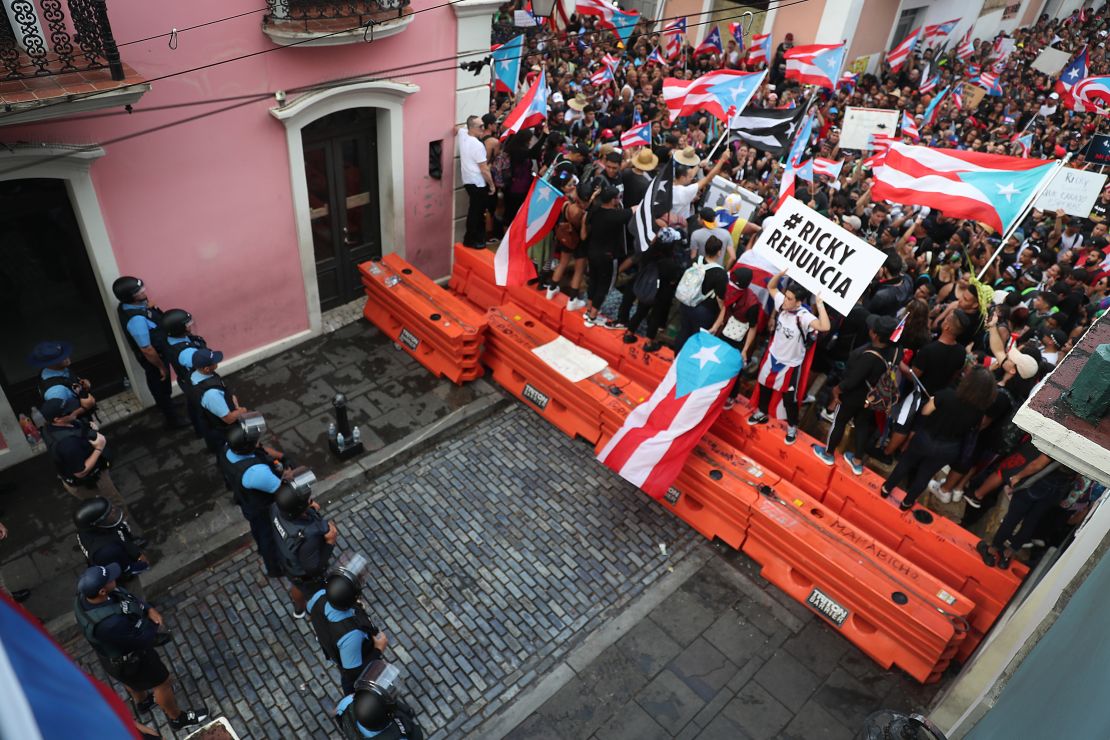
[720,188]
[861,123]
[861,65]
[823,257]
[1098,151]
[972,96]
[524,19]
[1051,61]
[1073,190]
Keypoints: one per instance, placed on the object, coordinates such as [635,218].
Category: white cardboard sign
[825,258]
[1073,190]
[720,188]
[861,123]
[1051,61]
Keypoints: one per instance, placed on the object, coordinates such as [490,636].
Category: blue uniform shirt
[342,706]
[61,392]
[213,399]
[186,356]
[350,644]
[258,477]
[139,326]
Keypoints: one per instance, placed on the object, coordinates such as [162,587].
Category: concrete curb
[224,531]
[505,721]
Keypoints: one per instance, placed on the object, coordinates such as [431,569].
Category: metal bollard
[345,442]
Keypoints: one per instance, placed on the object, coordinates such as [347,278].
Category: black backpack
[646,285]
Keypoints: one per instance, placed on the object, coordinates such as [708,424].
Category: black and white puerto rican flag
[767,129]
[660,197]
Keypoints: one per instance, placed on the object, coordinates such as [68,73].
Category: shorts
[144,671]
[578,253]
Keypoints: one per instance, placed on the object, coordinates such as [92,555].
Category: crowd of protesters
[953,359]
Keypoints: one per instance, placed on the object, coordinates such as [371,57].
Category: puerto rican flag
[966,47]
[536,217]
[1091,94]
[530,110]
[1025,142]
[828,167]
[973,71]
[655,57]
[815,64]
[930,84]
[651,448]
[674,37]
[611,62]
[897,56]
[934,105]
[762,272]
[506,65]
[990,188]
[988,81]
[736,30]
[940,31]
[609,16]
[880,144]
[637,136]
[760,50]
[909,127]
[723,93]
[711,44]
[1075,71]
[601,77]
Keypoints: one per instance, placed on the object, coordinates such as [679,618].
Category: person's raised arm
[773,284]
[822,323]
[702,183]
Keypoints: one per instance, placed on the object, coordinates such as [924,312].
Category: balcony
[59,58]
[330,23]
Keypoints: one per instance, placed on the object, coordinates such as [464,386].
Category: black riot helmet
[376,691]
[290,500]
[176,322]
[126,287]
[372,711]
[345,580]
[97,512]
[244,436]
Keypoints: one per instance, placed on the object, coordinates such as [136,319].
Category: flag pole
[1026,207]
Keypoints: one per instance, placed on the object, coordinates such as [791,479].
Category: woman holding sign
[794,330]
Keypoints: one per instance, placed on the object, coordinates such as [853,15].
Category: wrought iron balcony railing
[39,39]
[355,12]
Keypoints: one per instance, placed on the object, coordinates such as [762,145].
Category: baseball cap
[206,357]
[1059,338]
[52,408]
[1025,364]
[853,221]
[96,577]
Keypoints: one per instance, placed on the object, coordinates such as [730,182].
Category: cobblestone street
[499,550]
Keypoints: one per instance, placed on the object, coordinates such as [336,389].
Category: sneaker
[576,304]
[653,346]
[189,717]
[618,325]
[299,614]
[145,705]
[552,291]
[957,495]
[758,418]
[729,403]
[884,492]
[629,338]
[791,435]
[828,416]
[939,493]
[823,455]
[905,506]
[973,502]
[854,463]
[598,320]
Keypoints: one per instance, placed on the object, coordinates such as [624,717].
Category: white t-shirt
[471,154]
[683,200]
[788,345]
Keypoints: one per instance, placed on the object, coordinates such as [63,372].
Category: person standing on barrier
[181,345]
[305,540]
[742,309]
[56,379]
[219,407]
[345,633]
[945,420]
[254,474]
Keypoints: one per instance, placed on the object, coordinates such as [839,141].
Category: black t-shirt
[714,284]
[863,371]
[1100,208]
[635,187]
[952,418]
[939,363]
[606,232]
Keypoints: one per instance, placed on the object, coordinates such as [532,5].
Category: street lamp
[543,8]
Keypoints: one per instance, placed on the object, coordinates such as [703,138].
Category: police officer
[123,629]
[79,451]
[345,633]
[56,379]
[140,322]
[305,540]
[104,537]
[219,407]
[181,344]
[374,709]
[254,473]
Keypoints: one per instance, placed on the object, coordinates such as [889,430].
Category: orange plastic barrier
[472,278]
[882,602]
[581,409]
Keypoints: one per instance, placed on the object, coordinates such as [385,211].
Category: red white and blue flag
[1025,141]
[897,56]
[973,71]
[988,81]
[611,62]
[1092,94]
[929,84]
[909,127]
[1075,71]
[530,110]
[990,188]
[760,50]
[674,37]
[966,47]
[536,217]
[609,16]
[601,77]
[651,448]
[828,167]
[940,31]
[848,80]
[506,65]
[934,105]
[637,136]
[722,93]
[736,30]
[655,57]
[815,64]
[711,44]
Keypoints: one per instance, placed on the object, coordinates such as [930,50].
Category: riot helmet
[372,711]
[292,501]
[176,322]
[97,512]
[376,691]
[126,288]
[345,580]
[243,437]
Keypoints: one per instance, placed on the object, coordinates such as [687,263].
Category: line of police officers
[274,495]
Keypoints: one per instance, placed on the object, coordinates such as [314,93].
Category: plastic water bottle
[37,417]
[340,441]
[333,431]
[356,436]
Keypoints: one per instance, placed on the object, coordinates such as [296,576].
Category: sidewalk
[170,482]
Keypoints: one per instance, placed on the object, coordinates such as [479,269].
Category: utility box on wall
[1089,397]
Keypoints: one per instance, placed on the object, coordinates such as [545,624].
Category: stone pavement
[170,482]
[724,656]
[500,550]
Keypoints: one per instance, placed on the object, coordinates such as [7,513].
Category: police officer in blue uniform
[374,710]
[79,451]
[181,344]
[124,630]
[305,540]
[254,473]
[345,633]
[141,324]
[105,537]
[56,379]
[220,409]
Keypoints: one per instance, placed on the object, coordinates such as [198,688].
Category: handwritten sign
[1073,190]
[861,123]
[825,258]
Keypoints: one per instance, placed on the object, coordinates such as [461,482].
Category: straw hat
[687,157]
[578,102]
[645,160]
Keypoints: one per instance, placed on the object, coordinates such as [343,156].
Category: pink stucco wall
[203,210]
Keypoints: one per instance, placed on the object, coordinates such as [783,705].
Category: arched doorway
[341,174]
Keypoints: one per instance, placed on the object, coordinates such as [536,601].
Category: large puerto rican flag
[674,37]
[897,56]
[723,93]
[609,16]
[990,188]
[940,31]
[1075,71]
[760,49]
[45,694]
[1092,94]
[536,217]
[637,136]
[815,64]
[657,437]
[711,44]
[506,65]
[530,110]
